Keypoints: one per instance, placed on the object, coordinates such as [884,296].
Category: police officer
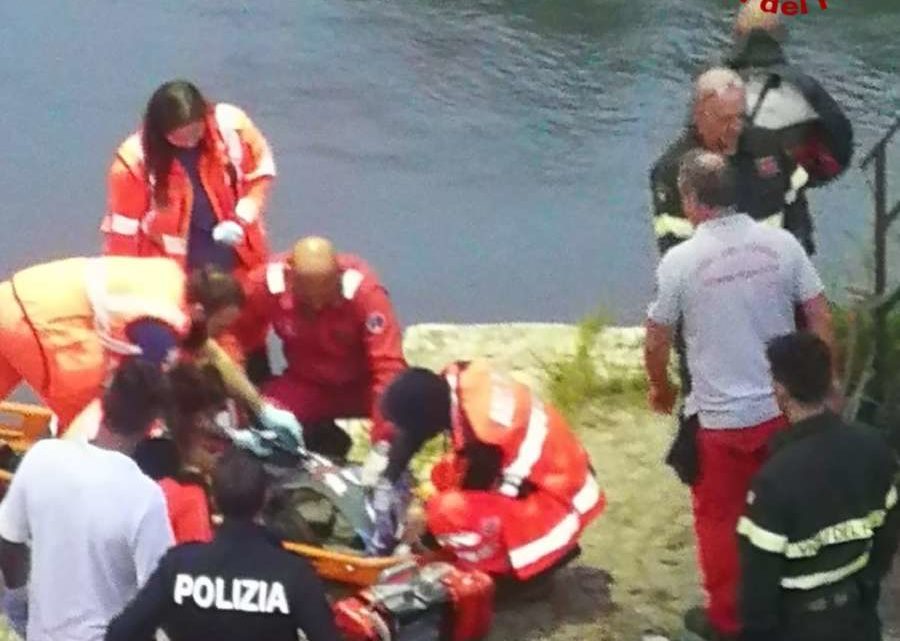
[820,525]
[241,587]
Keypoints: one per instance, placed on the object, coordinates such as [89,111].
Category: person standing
[821,523]
[191,185]
[735,284]
[93,524]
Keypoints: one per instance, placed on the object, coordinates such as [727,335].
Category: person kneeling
[518,489]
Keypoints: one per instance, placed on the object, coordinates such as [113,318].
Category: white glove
[279,420]
[228,233]
[249,440]
[375,464]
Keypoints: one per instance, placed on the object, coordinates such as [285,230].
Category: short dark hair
[136,396]
[709,177]
[239,484]
[802,363]
[214,289]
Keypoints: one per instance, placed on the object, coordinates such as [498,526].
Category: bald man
[340,338]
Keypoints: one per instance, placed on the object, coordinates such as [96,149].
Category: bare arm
[236,381]
[657,348]
[818,320]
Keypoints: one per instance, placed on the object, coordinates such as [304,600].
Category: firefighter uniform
[243,586]
[769,187]
[818,534]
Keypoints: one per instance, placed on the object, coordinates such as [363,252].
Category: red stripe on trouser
[728,460]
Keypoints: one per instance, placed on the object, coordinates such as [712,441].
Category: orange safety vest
[236,167]
[78,310]
[538,448]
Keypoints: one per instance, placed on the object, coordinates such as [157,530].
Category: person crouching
[517,490]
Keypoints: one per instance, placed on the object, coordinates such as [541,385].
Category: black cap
[417,402]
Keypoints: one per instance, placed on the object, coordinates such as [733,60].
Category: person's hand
[661,398]
[228,233]
[249,440]
[375,464]
[279,420]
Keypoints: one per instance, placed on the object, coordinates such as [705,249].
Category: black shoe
[697,627]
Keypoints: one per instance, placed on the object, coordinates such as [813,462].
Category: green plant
[575,381]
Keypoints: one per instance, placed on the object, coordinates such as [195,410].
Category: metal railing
[884,217]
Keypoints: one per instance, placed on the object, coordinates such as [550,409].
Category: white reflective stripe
[666,224]
[532,445]
[760,537]
[227,119]
[124,225]
[264,168]
[174,245]
[350,282]
[510,489]
[503,401]
[461,539]
[101,303]
[557,538]
[588,496]
[453,383]
[817,580]
[798,179]
[275,278]
[775,220]
[246,211]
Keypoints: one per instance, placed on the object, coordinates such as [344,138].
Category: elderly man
[341,341]
[767,180]
[735,283]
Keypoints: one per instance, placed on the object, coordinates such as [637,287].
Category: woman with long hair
[191,185]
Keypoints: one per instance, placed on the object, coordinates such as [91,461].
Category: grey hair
[716,82]
[709,177]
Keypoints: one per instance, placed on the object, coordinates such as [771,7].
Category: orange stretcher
[22,424]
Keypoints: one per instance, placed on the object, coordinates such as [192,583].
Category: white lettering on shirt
[241,595]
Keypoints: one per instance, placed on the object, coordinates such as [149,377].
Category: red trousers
[729,458]
[313,404]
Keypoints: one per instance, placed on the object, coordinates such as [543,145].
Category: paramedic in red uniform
[340,337]
[517,489]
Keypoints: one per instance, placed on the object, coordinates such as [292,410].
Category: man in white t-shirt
[94,525]
[736,283]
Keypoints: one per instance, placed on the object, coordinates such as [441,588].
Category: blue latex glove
[249,440]
[283,423]
[15,606]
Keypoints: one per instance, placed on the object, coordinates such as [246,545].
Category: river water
[488,157]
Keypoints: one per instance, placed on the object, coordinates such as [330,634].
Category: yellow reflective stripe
[817,580]
[775,220]
[665,224]
[891,499]
[850,530]
[760,537]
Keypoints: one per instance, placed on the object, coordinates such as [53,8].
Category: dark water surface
[489,158]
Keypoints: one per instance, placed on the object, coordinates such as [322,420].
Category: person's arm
[153,535]
[236,381]
[258,170]
[127,202]
[809,292]
[14,535]
[383,341]
[309,606]
[762,542]
[663,314]
[147,610]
